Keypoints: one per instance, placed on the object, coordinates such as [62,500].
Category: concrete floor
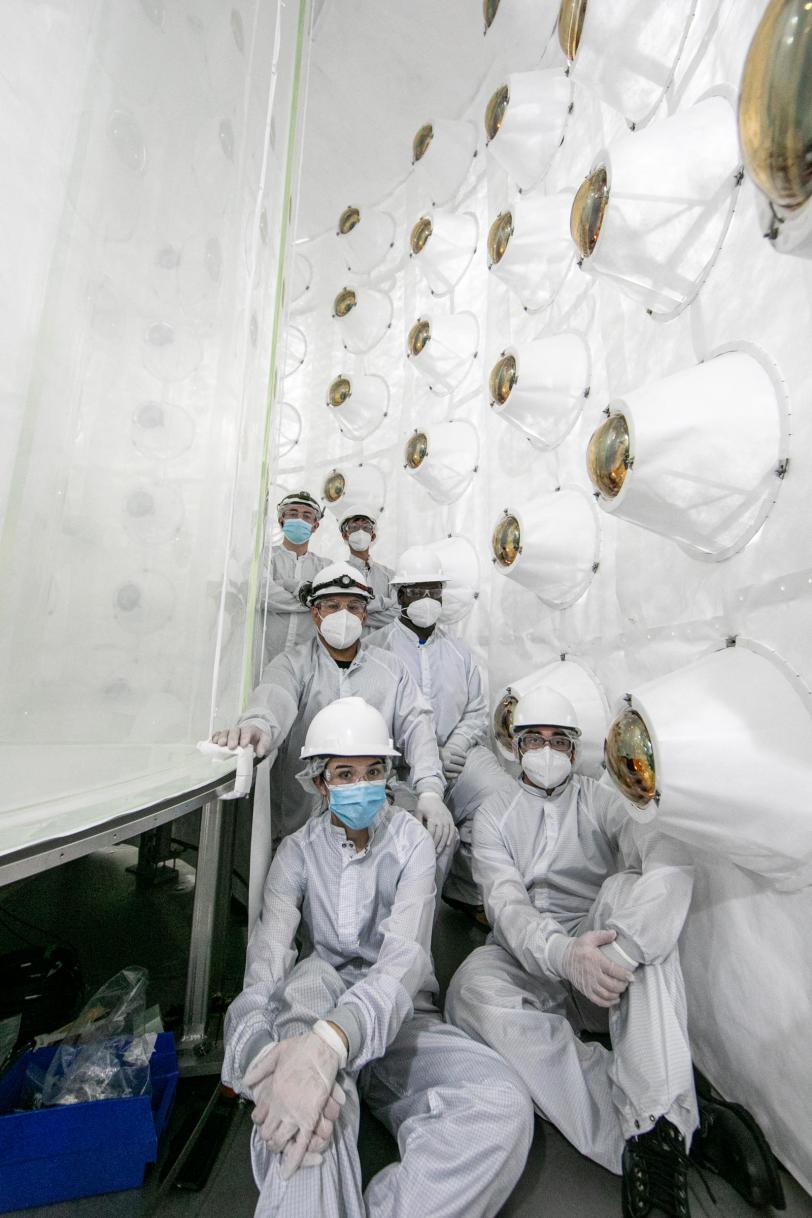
[93,904]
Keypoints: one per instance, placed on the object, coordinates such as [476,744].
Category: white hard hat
[339,578]
[303,499]
[544,706]
[419,565]
[349,509]
[348,727]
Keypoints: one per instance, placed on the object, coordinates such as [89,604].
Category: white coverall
[551,868]
[462,1118]
[384,607]
[449,677]
[287,622]
[481,776]
[299,683]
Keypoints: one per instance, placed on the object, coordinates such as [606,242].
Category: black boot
[655,1173]
[730,1143]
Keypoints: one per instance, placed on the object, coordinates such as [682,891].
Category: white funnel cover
[460,565]
[670,195]
[365,241]
[353,483]
[629,51]
[301,278]
[732,741]
[295,349]
[448,152]
[539,251]
[443,244]
[444,355]
[502,714]
[551,546]
[443,458]
[578,683]
[533,124]
[705,446]
[545,382]
[358,403]
[363,315]
[290,429]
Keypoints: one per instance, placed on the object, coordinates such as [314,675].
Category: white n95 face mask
[424,612]
[360,540]
[341,629]
[546,768]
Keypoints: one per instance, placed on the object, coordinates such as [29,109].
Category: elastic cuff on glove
[614,952]
[349,1019]
[332,1039]
[430,786]
[262,724]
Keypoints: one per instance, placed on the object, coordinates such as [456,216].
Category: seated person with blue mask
[352,1014]
[283,621]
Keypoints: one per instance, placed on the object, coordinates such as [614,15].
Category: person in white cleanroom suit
[578,935]
[446,672]
[358,526]
[355,1016]
[335,664]
[283,621]
[586,908]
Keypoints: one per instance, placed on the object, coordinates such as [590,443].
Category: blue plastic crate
[77,1150]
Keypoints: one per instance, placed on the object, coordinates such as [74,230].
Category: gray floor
[93,903]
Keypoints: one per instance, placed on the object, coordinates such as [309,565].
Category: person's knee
[647,912]
[466,994]
[315,973]
[506,1101]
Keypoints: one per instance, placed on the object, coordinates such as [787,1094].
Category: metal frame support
[205,917]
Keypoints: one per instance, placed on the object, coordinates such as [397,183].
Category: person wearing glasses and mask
[298,683]
[587,907]
[352,1013]
[358,527]
[449,678]
[283,621]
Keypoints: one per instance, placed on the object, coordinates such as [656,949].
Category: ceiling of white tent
[378,71]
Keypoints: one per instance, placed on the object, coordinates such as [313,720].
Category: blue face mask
[358,803]
[297,531]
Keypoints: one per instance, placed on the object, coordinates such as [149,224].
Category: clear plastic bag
[106,1053]
[99,1070]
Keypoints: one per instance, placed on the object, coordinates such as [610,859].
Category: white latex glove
[318,1141]
[291,1083]
[438,820]
[241,737]
[452,755]
[585,966]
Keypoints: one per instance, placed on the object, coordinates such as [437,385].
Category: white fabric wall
[650,608]
[145,150]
